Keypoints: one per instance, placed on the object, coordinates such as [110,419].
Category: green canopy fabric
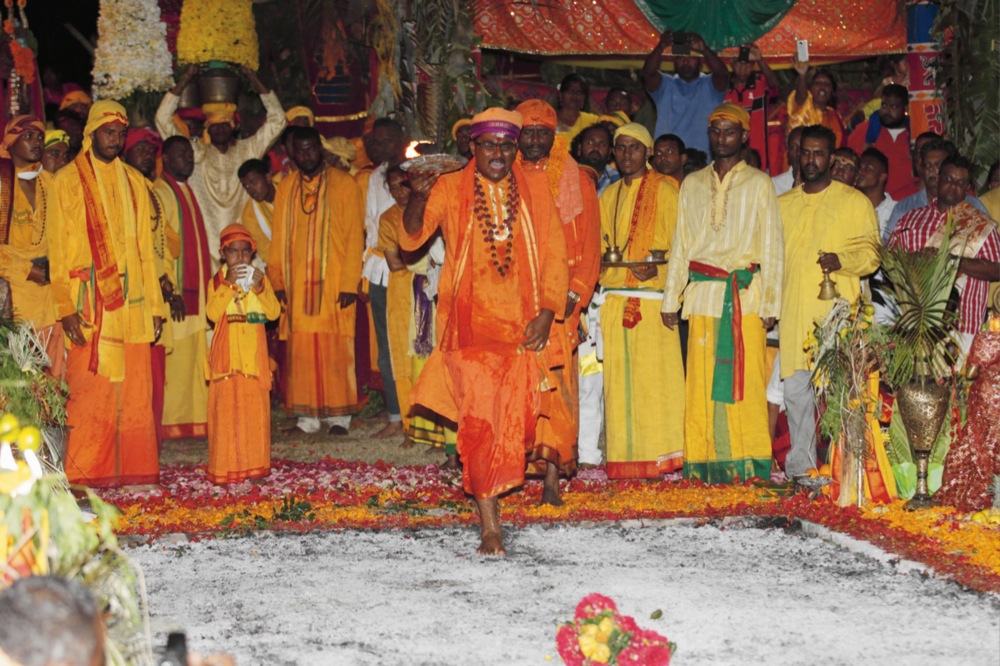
[720,23]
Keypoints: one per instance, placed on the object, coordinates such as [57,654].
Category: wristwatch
[573,296]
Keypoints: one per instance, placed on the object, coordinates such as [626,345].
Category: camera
[744,53]
[682,44]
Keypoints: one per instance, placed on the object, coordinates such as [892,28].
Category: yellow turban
[496,120]
[736,114]
[459,124]
[637,132]
[341,147]
[219,112]
[617,118]
[301,112]
[101,114]
[537,112]
[74,97]
[54,136]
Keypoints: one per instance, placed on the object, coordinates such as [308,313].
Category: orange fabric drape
[835,30]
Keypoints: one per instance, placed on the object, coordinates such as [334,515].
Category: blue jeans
[377,294]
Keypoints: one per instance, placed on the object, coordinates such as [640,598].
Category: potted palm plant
[921,346]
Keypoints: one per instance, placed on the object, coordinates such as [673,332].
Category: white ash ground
[733,596]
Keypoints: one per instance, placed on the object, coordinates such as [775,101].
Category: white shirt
[379,200]
[883,212]
[783,182]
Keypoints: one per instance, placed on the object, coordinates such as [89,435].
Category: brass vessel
[218,84]
[828,288]
[923,406]
[612,255]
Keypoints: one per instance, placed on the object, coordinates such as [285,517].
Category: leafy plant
[920,284]
[968,71]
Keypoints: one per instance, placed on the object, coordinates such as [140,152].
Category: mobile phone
[744,53]
[682,44]
[802,50]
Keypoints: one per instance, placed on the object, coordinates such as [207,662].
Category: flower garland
[350,495]
[131,52]
[599,634]
[218,30]
[23,56]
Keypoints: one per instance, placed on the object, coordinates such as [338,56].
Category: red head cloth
[536,112]
[497,121]
[17,126]
[137,135]
[236,232]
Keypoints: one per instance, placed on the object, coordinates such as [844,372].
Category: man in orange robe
[315,265]
[576,201]
[504,281]
[108,298]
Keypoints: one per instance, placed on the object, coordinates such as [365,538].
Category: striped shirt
[917,227]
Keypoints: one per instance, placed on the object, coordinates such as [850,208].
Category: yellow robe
[185,395]
[841,220]
[112,437]
[253,213]
[316,258]
[643,371]
[399,311]
[239,426]
[729,224]
[28,240]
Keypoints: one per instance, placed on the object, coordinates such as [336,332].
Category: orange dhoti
[112,435]
[239,429]
[558,423]
[321,381]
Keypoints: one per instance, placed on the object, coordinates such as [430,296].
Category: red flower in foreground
[599,635]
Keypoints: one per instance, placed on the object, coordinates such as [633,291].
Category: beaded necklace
[309,193]
[496,215]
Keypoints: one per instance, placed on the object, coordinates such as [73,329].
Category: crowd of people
[581,274]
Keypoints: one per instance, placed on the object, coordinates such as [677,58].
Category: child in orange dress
[240,301]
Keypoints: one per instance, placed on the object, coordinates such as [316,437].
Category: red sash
[191,274]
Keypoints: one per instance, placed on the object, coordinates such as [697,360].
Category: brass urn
[923,406]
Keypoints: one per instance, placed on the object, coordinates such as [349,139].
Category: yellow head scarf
[54,136]
[216,113]
[101,114]
[341,147]
[300,112]
[459,124]
[736,114]
[637,132]
[618,118]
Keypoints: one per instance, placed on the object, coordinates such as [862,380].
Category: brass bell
[828,288]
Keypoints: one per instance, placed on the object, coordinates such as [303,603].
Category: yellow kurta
[314,259]
[399,311]
[185,396]
[729,224]
[258,218]
[28,240]
[841,220]
[643,371]
[215,181]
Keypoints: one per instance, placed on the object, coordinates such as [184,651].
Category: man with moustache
[726,261]
[592,150]
[889,132]
[504,282]
[835,222]
[108,298]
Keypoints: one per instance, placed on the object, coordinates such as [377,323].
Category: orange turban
[459,124]
[101,114]
[17,126]
[496,120]
[74,97]
[236,232]
[536,112]
[736,114]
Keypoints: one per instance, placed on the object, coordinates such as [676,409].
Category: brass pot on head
[827,288]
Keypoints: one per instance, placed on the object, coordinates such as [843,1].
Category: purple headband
[498,127]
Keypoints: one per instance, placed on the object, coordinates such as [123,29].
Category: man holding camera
[684,100]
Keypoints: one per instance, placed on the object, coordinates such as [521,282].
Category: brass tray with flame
[438,163]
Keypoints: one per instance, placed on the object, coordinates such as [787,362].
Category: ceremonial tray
[439,163]
[633,264]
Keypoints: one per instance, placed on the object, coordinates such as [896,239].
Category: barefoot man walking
[504,279]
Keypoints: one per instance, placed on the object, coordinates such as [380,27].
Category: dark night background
[57,47]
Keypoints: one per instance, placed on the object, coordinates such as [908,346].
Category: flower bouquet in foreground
[599,634]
